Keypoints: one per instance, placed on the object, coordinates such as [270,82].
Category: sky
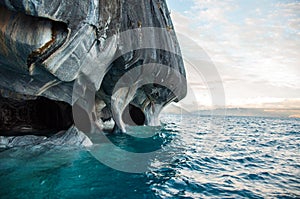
[253,44]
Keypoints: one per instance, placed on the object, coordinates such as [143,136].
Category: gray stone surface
[48,46]
[72,137]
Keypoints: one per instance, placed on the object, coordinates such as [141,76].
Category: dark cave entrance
[133,116]
[40,116]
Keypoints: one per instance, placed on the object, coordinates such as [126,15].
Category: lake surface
[197,157]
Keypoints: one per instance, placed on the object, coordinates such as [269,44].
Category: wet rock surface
[72,137]
[49,48]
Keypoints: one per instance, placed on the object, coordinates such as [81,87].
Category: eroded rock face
[48,46]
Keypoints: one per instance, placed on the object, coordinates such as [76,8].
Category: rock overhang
[90,38]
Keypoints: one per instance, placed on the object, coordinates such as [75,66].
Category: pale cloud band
[255,46]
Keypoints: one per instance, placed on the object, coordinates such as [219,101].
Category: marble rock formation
[49,46]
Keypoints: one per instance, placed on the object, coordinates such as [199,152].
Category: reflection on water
[247,157]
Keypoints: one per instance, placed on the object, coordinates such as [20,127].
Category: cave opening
[40,116]
[133,116]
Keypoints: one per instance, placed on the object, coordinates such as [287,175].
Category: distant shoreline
[243,112]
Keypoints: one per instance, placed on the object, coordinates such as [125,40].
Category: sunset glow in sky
[254,44]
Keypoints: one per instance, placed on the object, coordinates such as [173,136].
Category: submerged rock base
[56,53]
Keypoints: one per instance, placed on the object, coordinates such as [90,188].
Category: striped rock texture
[57,54]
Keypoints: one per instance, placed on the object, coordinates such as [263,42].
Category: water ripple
[249,157]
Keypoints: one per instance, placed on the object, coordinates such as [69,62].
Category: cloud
[254,45]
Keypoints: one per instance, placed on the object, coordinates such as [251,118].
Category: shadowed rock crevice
[39,116]
[133,116]
[53,50]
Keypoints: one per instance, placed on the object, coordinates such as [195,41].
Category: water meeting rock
[48,48]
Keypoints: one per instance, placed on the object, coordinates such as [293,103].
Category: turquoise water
[241,157]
